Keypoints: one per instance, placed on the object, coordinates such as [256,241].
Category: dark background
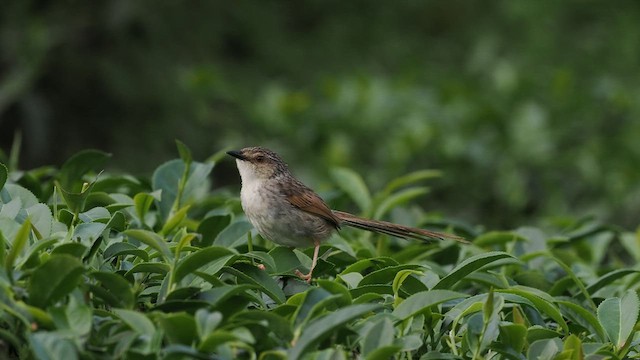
[531,108]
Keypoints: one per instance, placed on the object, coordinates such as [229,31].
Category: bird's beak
[237,154]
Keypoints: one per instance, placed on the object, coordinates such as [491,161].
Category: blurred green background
[531,108]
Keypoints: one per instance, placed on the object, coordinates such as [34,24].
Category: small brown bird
[287,212]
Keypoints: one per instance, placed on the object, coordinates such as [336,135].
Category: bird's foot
[261,267]
[305,277]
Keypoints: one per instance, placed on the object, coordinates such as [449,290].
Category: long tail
[392,229]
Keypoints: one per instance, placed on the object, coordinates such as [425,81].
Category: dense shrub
[98,265]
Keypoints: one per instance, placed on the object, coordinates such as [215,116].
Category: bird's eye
[260,158]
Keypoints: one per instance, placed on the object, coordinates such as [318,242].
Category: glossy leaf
[184,151]
[323,327]
[18,244]
[541,301]
[138,322]
[71,172]
[202,257]
[180,328]
[152,239]
[4,175]
[211,226]
[352,184]
[380,334]
[422,301]
[143,202]
[608,278]
[54,279]
[168,176]
[470,265]
[175,220]
[52,346]
[118,288]
[618,316]
[397,199]
[584,317]
[411,178]
[261,280]
[123,248]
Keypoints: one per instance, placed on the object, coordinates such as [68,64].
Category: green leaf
[352,184]
[76,201]
[384,352]
[336,289]
[491,321]
[167,177]
[180,328]
[234,234]
[202,257]
[142,203]
[27,199]
[96,214]
[313,301]
[87,233]
[608,278]
[573,346]
[381,334]
[137,321]
[71,172]
[123,248]
[18,244]
[185,239]
[3,249]
[583,317]
[319,329]
[74,249]
[261,280]
[541,300]
[220,294]
[31,257]
[546,349]
[422,301]
[184,151]
[52,346]
[152,239]
[207,322]
[213,340]
[119,289]
[470,265]
[175,220]
[211,226]
[399,198]
[149,267]
[388,274]
[411,178]
[269,320]
[4,175]
[618,317]
[54,279]
[514,336]
[287,259]
[75,316]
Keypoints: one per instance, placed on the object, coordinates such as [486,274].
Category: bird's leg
[307,277]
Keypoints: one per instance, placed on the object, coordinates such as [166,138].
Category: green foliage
[529,119]
[168,269]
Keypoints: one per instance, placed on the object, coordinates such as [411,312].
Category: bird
[285,211]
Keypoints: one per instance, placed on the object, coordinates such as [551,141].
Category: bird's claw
[305,277]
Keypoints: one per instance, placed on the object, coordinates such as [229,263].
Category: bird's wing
[309,202]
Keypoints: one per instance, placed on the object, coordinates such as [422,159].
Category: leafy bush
[103,265]
[530,107]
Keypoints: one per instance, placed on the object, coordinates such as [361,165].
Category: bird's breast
[277,220]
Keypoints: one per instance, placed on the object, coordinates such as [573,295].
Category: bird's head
[257,163]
